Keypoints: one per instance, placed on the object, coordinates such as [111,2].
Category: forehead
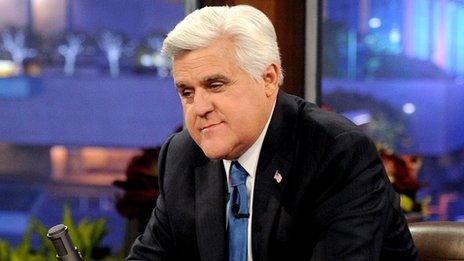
[217,58]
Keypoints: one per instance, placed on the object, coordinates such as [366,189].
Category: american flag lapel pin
[278,176]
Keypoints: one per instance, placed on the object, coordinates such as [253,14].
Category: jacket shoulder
[331,124]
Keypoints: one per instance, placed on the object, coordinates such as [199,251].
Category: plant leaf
[46,246]
[5,250]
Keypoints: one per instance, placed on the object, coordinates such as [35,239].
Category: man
[260,174]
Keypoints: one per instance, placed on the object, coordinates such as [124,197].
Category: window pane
[86,99]
[396,69]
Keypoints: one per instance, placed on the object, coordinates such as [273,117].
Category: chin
[214,154]
[213,151]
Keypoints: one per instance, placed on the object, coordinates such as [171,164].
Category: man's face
[225,109]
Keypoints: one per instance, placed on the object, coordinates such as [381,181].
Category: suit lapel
[210,199]
[266,204]
[275,157]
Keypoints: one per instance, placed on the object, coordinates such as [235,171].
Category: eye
[216,85]
[186,93]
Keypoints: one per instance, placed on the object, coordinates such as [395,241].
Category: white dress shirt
[249,161]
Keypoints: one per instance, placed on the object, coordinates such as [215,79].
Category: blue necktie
[238,213]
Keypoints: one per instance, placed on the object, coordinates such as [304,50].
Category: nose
[203,103]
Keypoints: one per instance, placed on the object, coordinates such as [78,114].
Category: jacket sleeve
[156,242]
[358,212]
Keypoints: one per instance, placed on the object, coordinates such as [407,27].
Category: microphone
[65,250]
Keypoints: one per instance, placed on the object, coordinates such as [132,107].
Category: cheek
[189,119]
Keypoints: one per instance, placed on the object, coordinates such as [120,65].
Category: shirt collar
[249,159]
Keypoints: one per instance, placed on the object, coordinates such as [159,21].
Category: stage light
[8,68]
[409,108]
[375,22]
[394,36]
[146,60]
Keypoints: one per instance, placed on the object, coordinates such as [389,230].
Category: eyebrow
[210,78]
[214,77]
[181,85]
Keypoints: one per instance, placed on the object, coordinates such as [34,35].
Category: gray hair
[251,30]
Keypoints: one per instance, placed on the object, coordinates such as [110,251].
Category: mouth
[210,126]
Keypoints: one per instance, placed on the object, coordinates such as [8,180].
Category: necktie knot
[238,174]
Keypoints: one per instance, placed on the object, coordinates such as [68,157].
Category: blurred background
[86,99]
[396,68]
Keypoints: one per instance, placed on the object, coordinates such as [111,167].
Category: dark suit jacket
[334,202]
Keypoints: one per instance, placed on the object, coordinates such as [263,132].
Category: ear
[271,79]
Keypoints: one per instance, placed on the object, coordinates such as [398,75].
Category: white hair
[253,34]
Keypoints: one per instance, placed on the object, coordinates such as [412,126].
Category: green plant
[23,251]
[87,236]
